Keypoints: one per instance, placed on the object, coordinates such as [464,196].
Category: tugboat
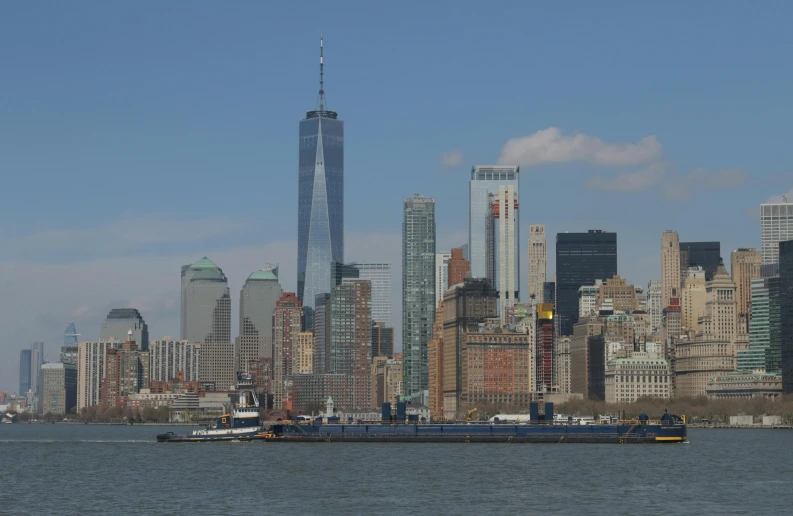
[240,424]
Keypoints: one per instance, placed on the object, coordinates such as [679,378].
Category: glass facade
[486,180]
[581,258]
[257,303]
[118,323]
[786,313]
[320,225]
[24,371]
[701,254]
[418,290]
[380,276]
[776,225]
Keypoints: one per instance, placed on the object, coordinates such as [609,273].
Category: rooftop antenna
[321,76]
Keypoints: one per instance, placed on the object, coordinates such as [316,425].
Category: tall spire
[321,76]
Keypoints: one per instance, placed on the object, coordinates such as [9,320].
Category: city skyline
[66,268]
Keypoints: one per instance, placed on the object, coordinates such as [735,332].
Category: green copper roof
[204,263]
[266,274]
[208,274]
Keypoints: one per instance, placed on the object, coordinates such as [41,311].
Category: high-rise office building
[786,313]
[58,388]
[693,299]
[588,359]
[505,247]
[765,327]
[322,322]
[119,321]
[545,350]
[91,362]
[744,267]
[36,361]
[581,258]
[464,308]
[701,254]
[206,313]
[538,263]
[167,357]
[303,354]
[458,269]
[320,215]
[25,365]
[257,303]
[287,321]
[441,275]
[670,266]
[721,309]
[379,274]
[69,348]
[655,305]
[776,225]
[187,273]
[382,340]
[549,292]
[418,290]
[486,180]
[351,337]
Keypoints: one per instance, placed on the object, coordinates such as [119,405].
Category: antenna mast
[321,76]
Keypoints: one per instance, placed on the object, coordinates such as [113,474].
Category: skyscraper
[418,290]
[545,350]
[36,361]
[441,274]
[744,267]
[206,314]
[322,324]
[320,216]
[701,254]
[505,248]
[69,348]
[538,263]
[786,312]
[257,303]
[655,307]
[776,225]
[458,269]
[351,337]
[670,266]
[24,371]
[581,258]
[286,327]
[58,388]
[91,361]
[379,274]
[187,273]
[119,321]
[485,180]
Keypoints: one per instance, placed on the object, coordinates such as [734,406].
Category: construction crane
[471,413]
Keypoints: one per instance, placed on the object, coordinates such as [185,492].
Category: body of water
[85,469]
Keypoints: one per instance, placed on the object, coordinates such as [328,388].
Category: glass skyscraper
[24,371]
[320,215]
[418,291]
[776,225]
[380,276]
[120,321]
[700,254]
[486,180]
[258,297]
[786,313]
[581,258]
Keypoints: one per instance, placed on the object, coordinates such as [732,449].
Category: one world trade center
[320,218]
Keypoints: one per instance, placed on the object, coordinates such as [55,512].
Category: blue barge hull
[480,433]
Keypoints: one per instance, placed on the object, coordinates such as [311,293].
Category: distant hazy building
[57,388]
[458,267]
[776,225]
[258,297]
[441,275]
[744,267]
[69,349]
[120,321]
[418,290]
[641,375]
[701,254]
[581,258]
[538,263]
[786,313]
[287,319]
[36,361]
[24,371]
[168,357]
[379,274]
[206,313]
[486,180]
[670,266]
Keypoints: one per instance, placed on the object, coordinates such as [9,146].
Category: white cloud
[683,188]
[452,158]
[551,146]
[630,181]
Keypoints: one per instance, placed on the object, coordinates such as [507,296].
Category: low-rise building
[743,385]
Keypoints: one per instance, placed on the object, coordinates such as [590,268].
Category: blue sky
[136,137]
